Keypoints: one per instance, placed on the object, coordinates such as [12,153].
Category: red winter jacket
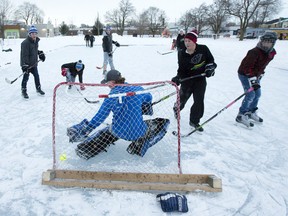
[255,62]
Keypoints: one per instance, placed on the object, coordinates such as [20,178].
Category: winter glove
[254,83]
[41,55]
[26,68]
[110,54]
[117,44]
[172,202]
[210,69]
[176,80]
[82,87]
[64,71]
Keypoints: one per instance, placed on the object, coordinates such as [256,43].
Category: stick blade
[8,81]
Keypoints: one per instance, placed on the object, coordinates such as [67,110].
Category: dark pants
[25,79]
[91,43]
[197,87]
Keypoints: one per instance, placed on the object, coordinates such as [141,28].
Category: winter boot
[39,91]
[196,126]
[24,93]
[244,119]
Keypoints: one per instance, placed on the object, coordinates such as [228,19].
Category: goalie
[127,122]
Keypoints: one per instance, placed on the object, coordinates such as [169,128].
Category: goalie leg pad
[157,128]
[95,144]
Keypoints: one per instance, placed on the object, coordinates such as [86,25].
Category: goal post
[72,106]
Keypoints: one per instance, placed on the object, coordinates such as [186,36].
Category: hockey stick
[191,77]
[98,67]
[164,98]
[88,101]
[11,82]
[230,104]
[165,53]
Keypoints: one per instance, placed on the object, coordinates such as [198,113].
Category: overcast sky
[85,12]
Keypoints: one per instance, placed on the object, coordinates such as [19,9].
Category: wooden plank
[132,181]
[134,177]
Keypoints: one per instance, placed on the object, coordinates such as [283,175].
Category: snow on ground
[252,163]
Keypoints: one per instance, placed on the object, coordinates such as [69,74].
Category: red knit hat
[193,35]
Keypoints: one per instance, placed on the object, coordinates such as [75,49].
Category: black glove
[176,80]
[41,55]
[117,44]
[26,68]
[210,69]
[110,54]
[254,83]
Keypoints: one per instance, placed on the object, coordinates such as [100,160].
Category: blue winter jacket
[127,122]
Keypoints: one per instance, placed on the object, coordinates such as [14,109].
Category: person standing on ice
[197,60]
[71,70]
[107,49]
[29,61]
[127,122]
[180,42]
[250,73]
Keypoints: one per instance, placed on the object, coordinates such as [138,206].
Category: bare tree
[120,17]
[199,18]
[30,13]
[217,15]
[142,23]
[5,10]
[244,10]
[156,19]
[266,10]
[186,21]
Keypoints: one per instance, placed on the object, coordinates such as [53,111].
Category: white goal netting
[98,130]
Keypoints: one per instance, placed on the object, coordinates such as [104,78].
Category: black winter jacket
[72,68]
[107,42]
[29,52]
[190,65]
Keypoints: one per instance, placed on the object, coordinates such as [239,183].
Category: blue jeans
[250,101]
[108,59]
[25,79]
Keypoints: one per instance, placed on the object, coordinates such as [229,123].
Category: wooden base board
[132,181]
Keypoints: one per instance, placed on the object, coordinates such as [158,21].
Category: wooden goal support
[132,181]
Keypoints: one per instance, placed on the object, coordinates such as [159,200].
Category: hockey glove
[172,202]
[254,83]
[110,54]
[176,80]
[210,69]
[117,44]
[26,68]
[64,72]
[41,55]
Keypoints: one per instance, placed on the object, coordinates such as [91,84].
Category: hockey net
[71,106]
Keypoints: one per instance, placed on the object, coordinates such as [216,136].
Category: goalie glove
[172,202]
